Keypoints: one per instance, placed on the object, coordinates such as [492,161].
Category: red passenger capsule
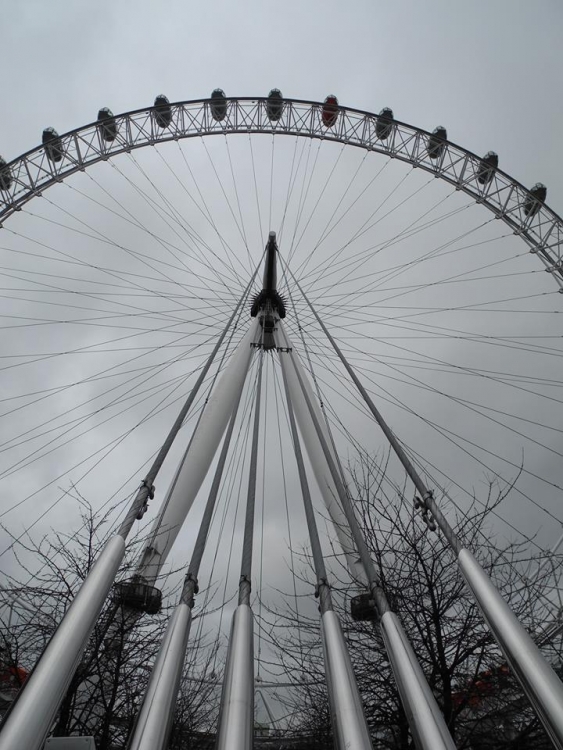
[330,111]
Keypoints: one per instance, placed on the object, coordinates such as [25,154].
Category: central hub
[268,305]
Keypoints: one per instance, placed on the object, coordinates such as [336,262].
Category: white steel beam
[317,459]
[197,458]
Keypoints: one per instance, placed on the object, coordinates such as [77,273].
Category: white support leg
[197,458]
[318,461]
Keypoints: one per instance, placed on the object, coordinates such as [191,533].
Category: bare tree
[482,703]
[106,691]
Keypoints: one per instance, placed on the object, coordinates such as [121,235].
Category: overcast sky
[488,71]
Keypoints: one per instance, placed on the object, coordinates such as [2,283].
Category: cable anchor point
[426,515]
[192,579]
[321,583]
[190,589]
[149,496]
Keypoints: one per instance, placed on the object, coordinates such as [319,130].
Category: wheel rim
[539,226]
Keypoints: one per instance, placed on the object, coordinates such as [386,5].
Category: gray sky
[489,72]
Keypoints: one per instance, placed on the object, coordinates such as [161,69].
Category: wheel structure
[129,243]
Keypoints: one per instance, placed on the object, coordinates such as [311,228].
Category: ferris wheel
[195,312]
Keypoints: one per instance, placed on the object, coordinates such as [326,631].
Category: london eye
[202,334]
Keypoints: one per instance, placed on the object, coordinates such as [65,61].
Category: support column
[347,713]
[197,458]
[348,719]
[236,716]
[315,453]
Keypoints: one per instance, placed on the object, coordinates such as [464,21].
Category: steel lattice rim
[505,197]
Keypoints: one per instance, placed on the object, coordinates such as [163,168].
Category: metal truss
[539,226]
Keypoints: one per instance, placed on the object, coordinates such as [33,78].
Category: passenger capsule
[384,123]
[218,104]
[107,127]
[5,175]
[487,167]
[53,145]
[274,105]
[330,111]
[162,111]
[535,199]
[138,596]
[436,142]
[362,608]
